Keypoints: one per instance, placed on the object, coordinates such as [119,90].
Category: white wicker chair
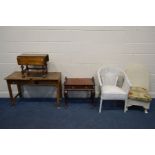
[139,77]
[108,80]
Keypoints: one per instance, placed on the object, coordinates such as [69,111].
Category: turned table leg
[58,94]
[19,90]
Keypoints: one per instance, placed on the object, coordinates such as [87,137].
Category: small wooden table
[79,84]
[30,62]
[52,78]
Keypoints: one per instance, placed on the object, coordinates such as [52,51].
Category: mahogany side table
[79,84]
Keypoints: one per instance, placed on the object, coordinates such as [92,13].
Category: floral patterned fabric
[140,94]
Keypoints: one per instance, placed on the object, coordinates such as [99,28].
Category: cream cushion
[140,94]
[113,92]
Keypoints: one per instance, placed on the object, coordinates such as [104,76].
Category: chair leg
[145,110]
[100,106]
[125,106]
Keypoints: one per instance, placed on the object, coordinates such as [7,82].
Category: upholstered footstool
[140,97]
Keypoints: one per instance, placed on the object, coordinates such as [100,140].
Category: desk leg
[13,100]
[58,94]
[19,90]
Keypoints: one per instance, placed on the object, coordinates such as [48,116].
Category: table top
[33,55]
[79,81]
[18,76]
[32,59]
